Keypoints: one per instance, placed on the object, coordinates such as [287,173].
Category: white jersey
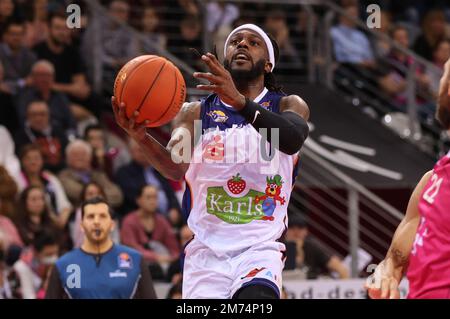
[236,196]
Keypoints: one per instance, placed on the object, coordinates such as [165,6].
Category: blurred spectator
[190,37]
[105,158]
[8,158]
[36,263]
[36,27]
[16,58]
[10,283]
[117,44]
[69,77]
[32,215]
[41,88]
[299,32]
[219,15]
[383,47]
[350,44]
[174,274]
[80,172]
[33,173]
[90,190]
[8,233]
[289,62]
[149,232]
[309,253]
[394,82]
[8,113]
[150,26]
[8,191]
[133,176]
[433,30]
[38,130]
[441,54]
[175,291]
[6,13]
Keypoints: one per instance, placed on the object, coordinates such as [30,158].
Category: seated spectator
[38,130]
[174,273]
[10,284]
[32,215]
[70,77]
[309,253]
[8,158]
[35,264]
[149,232]
[394,79]
[351,45]
[106,158]
[8,113]
[41,88]
[16,58]
[80,172]
[190,37]
[383,47]
[441,54]
[175,291]
[8,191]
[138,173]
[6,13]
[433,31]
[36,27]
[150,26]
[289,62]
[117,45]
[9,236]
[33,173]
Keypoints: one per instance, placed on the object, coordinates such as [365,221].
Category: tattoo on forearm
[399,257]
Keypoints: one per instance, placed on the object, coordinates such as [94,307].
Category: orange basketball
[152,85]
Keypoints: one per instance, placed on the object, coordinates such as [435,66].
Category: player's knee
[256,292]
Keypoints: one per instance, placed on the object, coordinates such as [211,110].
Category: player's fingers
[133,120]
[211,87]
[207,76]
[214,68]
[384,288]
[374,293]
[114,104]
[214,60]
[394,292]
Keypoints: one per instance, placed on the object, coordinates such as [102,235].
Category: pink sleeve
[12,233]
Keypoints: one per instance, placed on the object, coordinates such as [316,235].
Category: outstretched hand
[220,82]
[134,129]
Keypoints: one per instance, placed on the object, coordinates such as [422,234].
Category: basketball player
[421,244]
[237,211]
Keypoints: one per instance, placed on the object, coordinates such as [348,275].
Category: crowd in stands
[60,146]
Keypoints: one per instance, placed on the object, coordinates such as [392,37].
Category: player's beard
[244,76]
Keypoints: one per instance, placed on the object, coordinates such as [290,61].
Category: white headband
[261,32]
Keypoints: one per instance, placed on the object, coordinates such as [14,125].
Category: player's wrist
[240,102]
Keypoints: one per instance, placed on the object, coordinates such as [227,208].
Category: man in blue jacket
[100,268]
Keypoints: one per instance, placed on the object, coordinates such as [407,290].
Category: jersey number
[432,192]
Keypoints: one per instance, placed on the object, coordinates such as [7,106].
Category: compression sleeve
[293,129]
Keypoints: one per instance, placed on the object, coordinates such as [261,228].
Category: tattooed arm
[390,271]
[160,157]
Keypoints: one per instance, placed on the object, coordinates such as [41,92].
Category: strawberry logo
[236,184]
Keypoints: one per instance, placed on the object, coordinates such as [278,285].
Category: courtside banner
[315,289]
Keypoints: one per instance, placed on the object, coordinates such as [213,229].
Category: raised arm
[390,271]
[160,157]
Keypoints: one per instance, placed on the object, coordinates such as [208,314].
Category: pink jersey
[429,262]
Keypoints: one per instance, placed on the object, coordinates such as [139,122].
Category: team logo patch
[253,273]
[266,104]
[125,261]
[240,208]
[218,116]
